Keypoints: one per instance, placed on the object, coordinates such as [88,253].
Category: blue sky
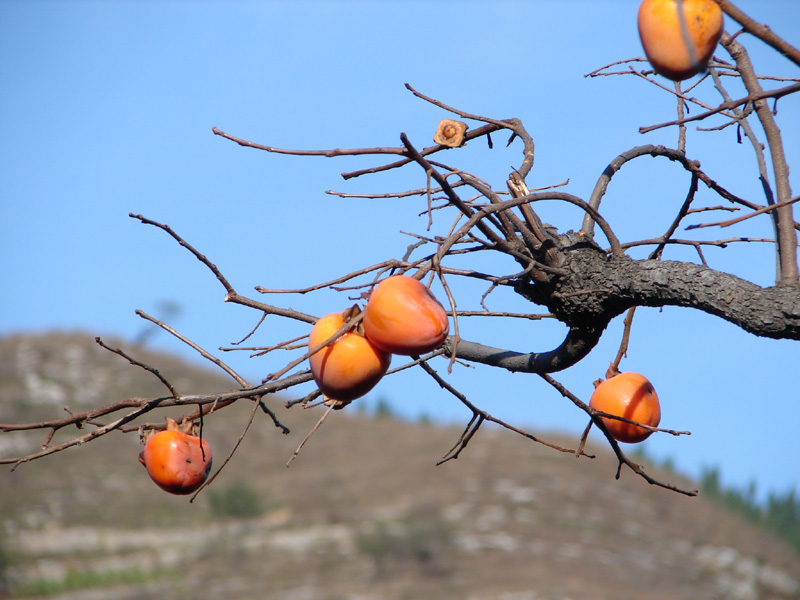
[107,109]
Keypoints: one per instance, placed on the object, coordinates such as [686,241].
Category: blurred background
[107,109]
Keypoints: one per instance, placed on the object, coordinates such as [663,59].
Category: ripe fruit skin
[348,368]
[403,317]
[665,44]
[632,396]
[175,461]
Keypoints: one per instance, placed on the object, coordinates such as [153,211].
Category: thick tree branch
[612,286]
[577,344]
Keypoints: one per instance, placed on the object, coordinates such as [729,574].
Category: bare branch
[327,153]
[751,98]
[674,155]
[515,125]
[684,210]
[212,267]
[788,272]
[762,32]
[137,363]
[479,416]
[760,211]
[626,336]
[577,344]
[595,416]
[191,344]
[471,135]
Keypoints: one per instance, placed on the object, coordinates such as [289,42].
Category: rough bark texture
[599,287]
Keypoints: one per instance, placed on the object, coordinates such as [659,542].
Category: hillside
[362,514]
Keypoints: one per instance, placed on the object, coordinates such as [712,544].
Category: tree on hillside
[580,274]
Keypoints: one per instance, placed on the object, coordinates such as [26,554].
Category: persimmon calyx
[351,314]
[450,133]
[335,404]
[612,371]
[185,426]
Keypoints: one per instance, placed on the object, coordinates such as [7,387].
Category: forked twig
[763,95]
[137,363]
[621,457]
[207,355]
[310,433]
[233,450]
[739,219]
[478,417]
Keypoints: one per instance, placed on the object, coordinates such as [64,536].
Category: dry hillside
[362,514]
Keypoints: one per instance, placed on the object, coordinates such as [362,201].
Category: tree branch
[772,312]
[577,344]
[762,32]
[788,273]
[779,93]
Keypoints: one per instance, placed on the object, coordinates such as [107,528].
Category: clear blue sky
[107,108]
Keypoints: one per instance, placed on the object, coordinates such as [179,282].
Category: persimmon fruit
[349,367]
[402,316]
[664,37]
[631,396]
[177,460]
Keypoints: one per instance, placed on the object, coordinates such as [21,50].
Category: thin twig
[750,98]
[207,355]
[137,363]
[595,416]
[482,415]
[755,213]
[626,336]
[682,212]
[310,433]
[327,153]
[208,481]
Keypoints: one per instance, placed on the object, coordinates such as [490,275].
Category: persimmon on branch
[755,101]
[582,280]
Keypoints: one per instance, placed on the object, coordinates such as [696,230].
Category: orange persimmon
[349,367]
[631,396]
[665,38]
[403,317]
[177,460]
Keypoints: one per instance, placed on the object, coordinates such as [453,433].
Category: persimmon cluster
[351,351]
[402,317]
